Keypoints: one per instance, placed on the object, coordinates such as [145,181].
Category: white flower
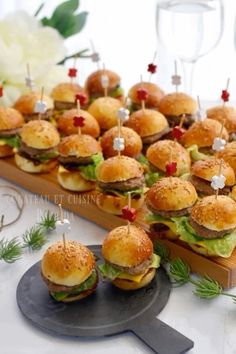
[24,40]
[218,182]
[219,144]
[63,227]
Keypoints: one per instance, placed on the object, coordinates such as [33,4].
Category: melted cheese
[169,224]
[61,169]
[135,278]
[2,142]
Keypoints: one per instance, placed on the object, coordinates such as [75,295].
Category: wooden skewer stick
[62,220]
[41,100]
[182,120]
[153,61]
[78,112]
[143,101]
[227,86]
[222,128]
[219,173]
[29,74]
[176,73]
[94,52]
[129,206]
[105,88]
[119,133]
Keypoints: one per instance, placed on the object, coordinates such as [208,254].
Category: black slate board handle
[162,338]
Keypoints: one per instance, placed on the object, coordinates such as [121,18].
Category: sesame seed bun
[147,122]
[133,142]
[229,154]
[158,154]
[127,250]
[93,83]
[208,168]
[78,145]
[215,213]
[104,110]
[28,166]
[203,133]
[65,92]
[65,123]
[155,94]
[171,194]
[224,114]
[10,118]
[177,103]
[119,168]
[26,103]
[73,181]
[131,285]
[70,266]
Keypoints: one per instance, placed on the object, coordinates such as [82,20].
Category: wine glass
[189,29]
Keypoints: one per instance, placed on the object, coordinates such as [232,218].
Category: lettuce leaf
[151,178]
[223,246]
[89,171]
[12,141]
[138,191]
[116,92]
[86,285]
[47,156]
[142,159]
[195,154]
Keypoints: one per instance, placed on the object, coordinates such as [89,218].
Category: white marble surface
[210,324]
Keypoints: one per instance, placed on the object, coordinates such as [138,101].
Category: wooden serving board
[84,204]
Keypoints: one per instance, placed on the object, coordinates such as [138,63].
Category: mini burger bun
[229,154]
[177,103]
[26,103]
[171,193]
[131,285]
[73,181]
[28,166]
[65,92]
[133,142]
[203,133]
[104,110]
[65,123]
[82,145]
[79,296]
[155,94]
[224,114]
[70,265]
[10,118]
[119,168]
[40,134]
[93,83]
[127,250]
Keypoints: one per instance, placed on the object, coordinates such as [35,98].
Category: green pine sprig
[10,251]
[34,238]
[162,251]
[48,221]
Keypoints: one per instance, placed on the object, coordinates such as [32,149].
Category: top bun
[133,142]
[66,92]
[147,122]
[66,126]
[93,83]
[68,266]
[203,133]
[159,154]
[155,94]
[78,145]
[224,114]
[208,168]
[171,194]
[177,103]
[216,214]
[10,118]
[119,168]
[40,134]
[127,250]
[104,109]
[26,103]
[229,154]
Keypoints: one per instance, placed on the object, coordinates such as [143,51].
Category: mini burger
[229,154]
[38,149]
[64,94]
[202,172]
[167,200]
[94,87]
[130,263]
[211,227]
[65,123]
[69,273]
[174,105]
[198,139]
[11,122]
[133,142]
[149,124]
[155,94]
[225,115]
[26,106]
[104,110]
[158,155]
[116,177]
[79,156]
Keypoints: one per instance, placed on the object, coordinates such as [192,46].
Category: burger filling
[64,106]
[115,92]
[134,186]
[32,116]
[204,186]
[197,154]
[133,274]
[175,120]
[61,292]
[150,139]
[10,137]
[87,166]
[37,156]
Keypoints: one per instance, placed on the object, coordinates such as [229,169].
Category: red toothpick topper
[79,121]
[72,72]
[225,95]
[142,94]
[152,68]
[177,132]
[1,90]
[129,214]
[81,98]
[171,168]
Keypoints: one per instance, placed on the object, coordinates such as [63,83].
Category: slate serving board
[108,311]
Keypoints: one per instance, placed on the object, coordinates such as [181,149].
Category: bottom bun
[28,165]
[131,285]
[73,181]
[6,151]
[113,204]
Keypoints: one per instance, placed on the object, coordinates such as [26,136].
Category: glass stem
[188,70]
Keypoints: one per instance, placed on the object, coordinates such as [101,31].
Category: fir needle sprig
[34,238]
[161,251]
[10,251]
[48,221]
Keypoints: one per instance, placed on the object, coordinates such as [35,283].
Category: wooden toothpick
[129,206]
[62,221]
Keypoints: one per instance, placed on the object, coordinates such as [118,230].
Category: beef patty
[204,186]
[74,161]
[169,213]
[175,120]
[204,232]
[5,133]
[139,269]
[123,186]
[150,139]
[61,106]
